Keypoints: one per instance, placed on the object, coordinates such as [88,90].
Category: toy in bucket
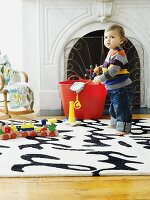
[92,72]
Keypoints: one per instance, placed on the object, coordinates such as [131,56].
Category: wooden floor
[75,188]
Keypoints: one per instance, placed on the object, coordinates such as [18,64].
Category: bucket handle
[79,78]
[75,76]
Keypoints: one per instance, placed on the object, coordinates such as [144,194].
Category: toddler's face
[112,39]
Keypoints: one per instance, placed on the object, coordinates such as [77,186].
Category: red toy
[28,129]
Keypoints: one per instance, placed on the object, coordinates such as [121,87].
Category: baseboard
[141,111]
[50,113]
[135,111]
[106,112]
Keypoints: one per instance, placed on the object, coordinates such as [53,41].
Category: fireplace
[89,51]
[57,25]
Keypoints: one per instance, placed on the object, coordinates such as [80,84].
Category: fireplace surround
[89,51]
[55,24]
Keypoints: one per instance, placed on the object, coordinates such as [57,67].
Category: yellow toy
[77,104]
[29,125]
[53,120]
[13,127]
[71,120]
[71,112]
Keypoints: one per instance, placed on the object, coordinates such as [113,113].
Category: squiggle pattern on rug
[91,149]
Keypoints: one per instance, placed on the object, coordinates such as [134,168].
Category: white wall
[34,33]
[19,38]
[31,57]
[11,31]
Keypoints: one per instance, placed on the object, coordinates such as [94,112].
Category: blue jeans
[121,108]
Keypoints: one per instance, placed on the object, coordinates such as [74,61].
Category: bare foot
[121,133]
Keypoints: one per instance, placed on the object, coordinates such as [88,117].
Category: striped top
[115,69]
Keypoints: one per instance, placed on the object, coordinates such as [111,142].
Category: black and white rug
[91,149]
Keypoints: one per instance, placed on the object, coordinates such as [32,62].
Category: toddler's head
[114,36]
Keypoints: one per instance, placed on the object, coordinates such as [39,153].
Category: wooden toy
[29,130]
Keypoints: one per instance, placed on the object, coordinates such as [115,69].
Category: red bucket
[92,99]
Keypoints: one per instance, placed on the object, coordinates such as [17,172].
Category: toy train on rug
[29,130]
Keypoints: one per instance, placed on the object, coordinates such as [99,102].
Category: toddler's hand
[97,79]
[96,69]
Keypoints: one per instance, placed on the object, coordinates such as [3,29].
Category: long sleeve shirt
[115,74]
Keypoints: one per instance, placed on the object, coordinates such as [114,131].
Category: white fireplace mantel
[53,23]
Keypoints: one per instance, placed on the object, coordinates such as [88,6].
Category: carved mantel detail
[104,10]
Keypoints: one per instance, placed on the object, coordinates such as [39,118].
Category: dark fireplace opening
[90,50]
